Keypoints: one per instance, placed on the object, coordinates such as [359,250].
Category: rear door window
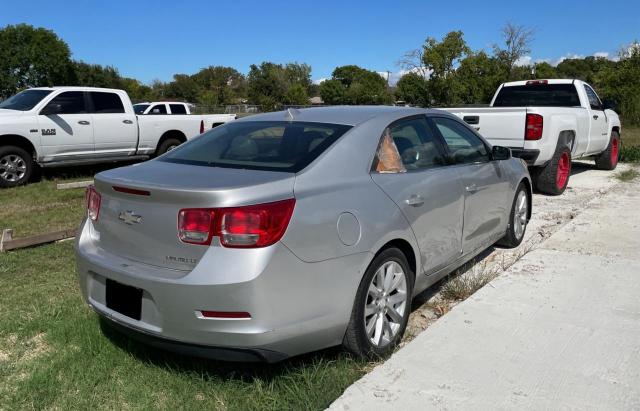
[408,144]
[177,109]
[104,103]
[260,145]
[71,102]
[158,109]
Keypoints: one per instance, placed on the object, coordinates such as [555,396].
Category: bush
[630,154]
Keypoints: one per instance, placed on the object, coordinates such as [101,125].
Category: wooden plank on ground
[76,184]
[8,243]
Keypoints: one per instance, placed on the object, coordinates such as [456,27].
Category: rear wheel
[608,159]
[16,166]
[518,219]
[382,306]
[553,178]
[168,145]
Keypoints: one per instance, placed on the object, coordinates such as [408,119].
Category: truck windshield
[140,108]
[551,95]
[25,100]
[259,145]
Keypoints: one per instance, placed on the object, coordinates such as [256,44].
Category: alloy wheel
[520,215]
[12,168]
[386,304]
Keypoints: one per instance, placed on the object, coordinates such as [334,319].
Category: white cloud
[524,61]
[603,54]
[320,80]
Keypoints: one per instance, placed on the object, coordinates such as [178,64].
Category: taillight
[92,198]
[195,225]
[238,227]
[533,82]
[533,130]
[201,126]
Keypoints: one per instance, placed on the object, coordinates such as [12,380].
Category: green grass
[56,354]
[627,175]
[630,150]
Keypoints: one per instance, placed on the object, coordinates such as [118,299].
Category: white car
[63,126]
[548,123]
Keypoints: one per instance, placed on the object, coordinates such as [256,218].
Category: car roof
[347,115]
[78,88]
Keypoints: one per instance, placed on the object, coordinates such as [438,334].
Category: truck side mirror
[51,108]
[500,153]
[610,105]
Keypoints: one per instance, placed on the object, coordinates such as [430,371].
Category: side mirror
[500,153]
[610,105]
[51,108]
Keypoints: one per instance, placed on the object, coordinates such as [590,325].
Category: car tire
[608,159]
[167,145]
[16,166]
[518,219]
[553,178]
[381,291]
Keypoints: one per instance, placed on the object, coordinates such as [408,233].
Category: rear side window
[464,146]
[106,102]
[549,95]
[158,109]
[177,109]
[71,102]
[408,145]
[594,101]
[259,145]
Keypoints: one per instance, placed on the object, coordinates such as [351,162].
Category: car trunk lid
[140,205]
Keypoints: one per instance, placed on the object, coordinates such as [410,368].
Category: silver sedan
[289,232]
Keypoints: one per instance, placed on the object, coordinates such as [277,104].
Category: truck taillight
[251,226]
[92,199]
[533,129]
[533,82]
[201,126]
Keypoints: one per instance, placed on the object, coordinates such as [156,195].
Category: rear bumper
[530,156]
[295,307]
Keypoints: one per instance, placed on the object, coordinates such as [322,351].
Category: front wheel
[16,166]
[608,159]
[518,219]
[381,309]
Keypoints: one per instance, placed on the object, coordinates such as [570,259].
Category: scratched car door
[427,191]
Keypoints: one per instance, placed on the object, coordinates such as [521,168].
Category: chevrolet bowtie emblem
[129,217]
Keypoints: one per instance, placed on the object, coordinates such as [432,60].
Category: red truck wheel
[608,159]
[553,178]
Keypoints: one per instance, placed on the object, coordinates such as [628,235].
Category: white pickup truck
[63,126]
[548,123]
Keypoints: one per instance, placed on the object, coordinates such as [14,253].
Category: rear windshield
[260,145]
[25,100]
[554,95]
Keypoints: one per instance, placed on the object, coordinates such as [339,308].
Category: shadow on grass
[87,171]
[246,372]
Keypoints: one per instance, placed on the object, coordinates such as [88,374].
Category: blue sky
[154,40]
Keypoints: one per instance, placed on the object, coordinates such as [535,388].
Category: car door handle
[472,188]
[127,121]
[415,201]
[83,122]
[595,116]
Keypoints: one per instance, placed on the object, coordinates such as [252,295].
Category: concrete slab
[559,330]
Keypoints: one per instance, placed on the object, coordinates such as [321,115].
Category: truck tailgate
[500,126]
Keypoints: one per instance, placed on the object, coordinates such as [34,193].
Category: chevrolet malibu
[289,232]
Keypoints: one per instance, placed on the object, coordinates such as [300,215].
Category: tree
[354,85]
[31,57]
[270,84]
[219,85]
[620,82]
[517,41]
[94,75]
[412,89]
[479,75]
[545,70]
[441,59]
[413,61]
